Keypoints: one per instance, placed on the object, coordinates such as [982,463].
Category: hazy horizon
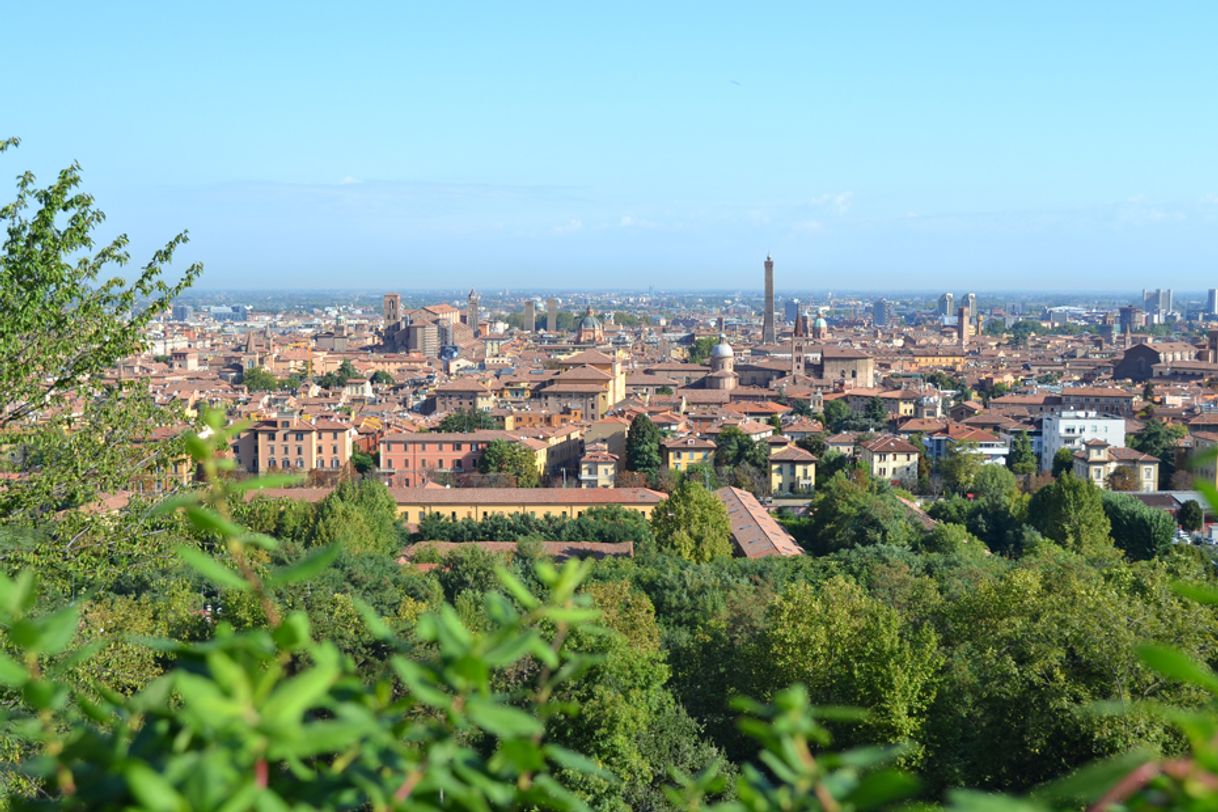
[964,146]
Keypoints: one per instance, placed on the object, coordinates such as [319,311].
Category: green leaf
[292,698]
[198,448]
[1175,664]
[16,596]
[205,519]
[418,681]
[58,629]
[882,787]
[502,720]
[305,568]
[565,614]
[960,800]
[518,590]
[12,673]
[175,502]
[211,569]
[268,481]
[151,789]
[572,760]
[375,623]
[260,540]
[1196,592]
[1089,783]
[293,632]
[510,650]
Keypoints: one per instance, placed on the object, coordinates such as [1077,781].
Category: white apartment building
[1070,429]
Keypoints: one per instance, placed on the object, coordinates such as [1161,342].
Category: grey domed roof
[820,322]
[722,349]
[589,322]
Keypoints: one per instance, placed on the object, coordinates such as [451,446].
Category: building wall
[792,477]
[888,465]
[408,461]
[295,448]
[1071,430]
[477,509]
[682,459]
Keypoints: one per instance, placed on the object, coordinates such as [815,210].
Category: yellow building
[598,468]
[890,459]
[938,358]
[681,453]
[792,470]
[478,503]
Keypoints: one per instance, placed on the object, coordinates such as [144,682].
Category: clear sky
[884,145]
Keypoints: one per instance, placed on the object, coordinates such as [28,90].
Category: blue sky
[883,145]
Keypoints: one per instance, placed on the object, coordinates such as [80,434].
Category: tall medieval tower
[767,318]
[471,313]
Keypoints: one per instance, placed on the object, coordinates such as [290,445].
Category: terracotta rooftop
[755,533]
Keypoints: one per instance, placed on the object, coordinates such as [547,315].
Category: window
[334,462]
[270,463]
[300,462]
[299,436]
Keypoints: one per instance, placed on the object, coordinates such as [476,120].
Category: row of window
[423,446]
[335,463]
[300,435]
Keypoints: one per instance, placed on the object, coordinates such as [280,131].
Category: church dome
[722,349]
[589,322]
[820,323]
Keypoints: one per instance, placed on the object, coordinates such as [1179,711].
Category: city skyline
[959,146]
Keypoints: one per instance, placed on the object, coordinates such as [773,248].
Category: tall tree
[960,467]
[1159,439]
[876,412]
[837,414]
[1071,512]
[1063,461]
[643,445]
[1190,516]
[463,421]
[1022,460]
[260,380]
[849,648]
[693,523]
[846,513]
[63,325]
[700,350]
[505,457]
[1141,531]
[733,447]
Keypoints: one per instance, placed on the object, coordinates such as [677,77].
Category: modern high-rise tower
[1211,303]
[879,312]
[1158,304]
[767,318]
[947,305]
[970,301]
